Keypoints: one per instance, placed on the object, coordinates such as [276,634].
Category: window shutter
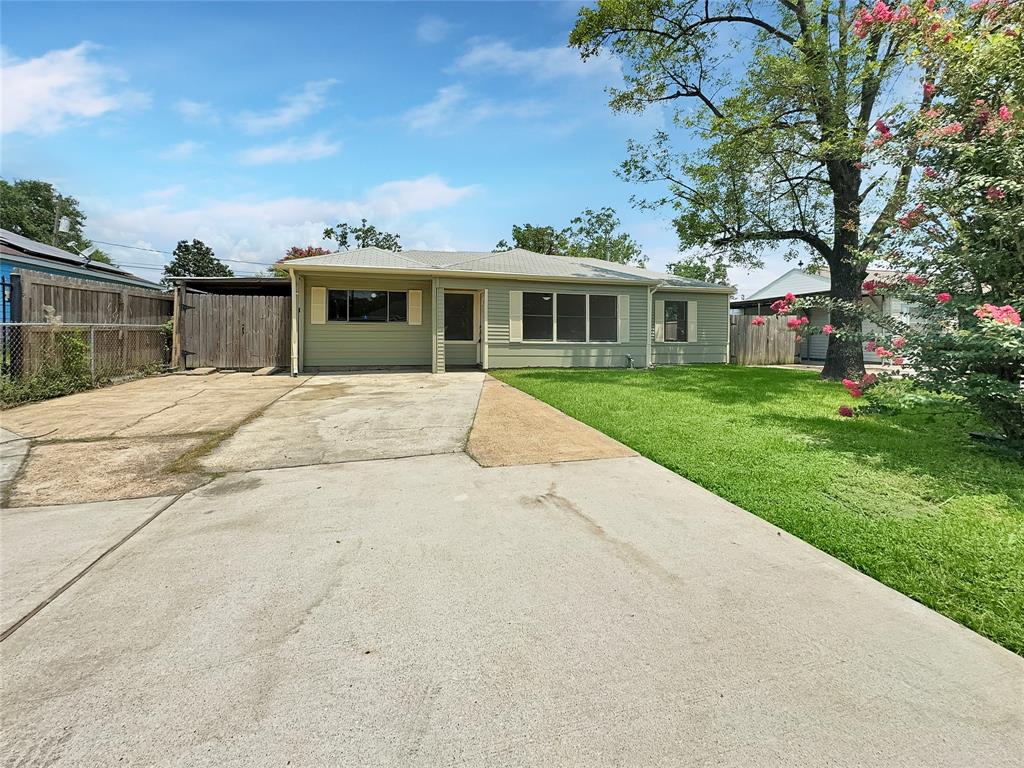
[623,318]
[515,315]
[414,307]
[691,321]
[318,310]
[659,321]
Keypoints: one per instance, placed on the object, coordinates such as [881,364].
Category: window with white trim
[570,317]
[352,306]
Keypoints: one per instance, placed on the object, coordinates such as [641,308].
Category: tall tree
[194,259]
[365,236]
[533,238]
[595,235]
[709,270]
[34,209]
[785,96]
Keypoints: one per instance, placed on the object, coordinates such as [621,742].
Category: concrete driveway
[426,610]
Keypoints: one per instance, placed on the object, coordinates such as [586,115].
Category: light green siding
[505,354]
[342,345]
[711,344]
[460,353]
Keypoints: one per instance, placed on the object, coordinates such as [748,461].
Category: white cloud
[166,193]
[295,108]
[181,150]
[45,94]
[290,151]
[536,63]
[197,111]
[432,29]
[452,109]
[260,232]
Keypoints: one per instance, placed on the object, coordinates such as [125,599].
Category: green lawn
[907,498]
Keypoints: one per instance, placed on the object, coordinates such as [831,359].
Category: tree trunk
[844,358]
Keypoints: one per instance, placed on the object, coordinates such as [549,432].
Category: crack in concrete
[159,410]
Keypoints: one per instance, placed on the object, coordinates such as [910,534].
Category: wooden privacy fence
[229,331]
[770,344]
[89,301]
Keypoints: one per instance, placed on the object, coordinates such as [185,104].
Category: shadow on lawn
[721,384]
[914,442]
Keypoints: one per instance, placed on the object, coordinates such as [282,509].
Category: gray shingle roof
[518,262]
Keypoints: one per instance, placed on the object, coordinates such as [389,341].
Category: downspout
[295,325]
[650,325]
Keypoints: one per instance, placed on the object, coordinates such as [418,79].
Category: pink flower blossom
[848,383]
[1005,114]
[943,298]
[899,342]
[929,5]
[916,280]
[845,411]
[869,286]
[860,166]
[798,338]
[897,361]
[870,346]
[827,329]
[793,322]
[868,380]
[757,321]
[1006,314]
[930,172]
[929,89]
[789,297]
[912,218]
[882,12]
[995,193]
[932,113]
[780,307]
[804,320]
[951,130]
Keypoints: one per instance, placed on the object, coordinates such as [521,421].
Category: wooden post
[176,356]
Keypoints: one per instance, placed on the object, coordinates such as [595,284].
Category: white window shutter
[414,308]
[623,313]
[515,315]
[659,321]
[318,310]
[691,321]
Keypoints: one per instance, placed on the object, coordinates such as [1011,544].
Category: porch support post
[484,356]
[650,325]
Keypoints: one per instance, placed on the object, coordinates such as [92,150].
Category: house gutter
[295,325]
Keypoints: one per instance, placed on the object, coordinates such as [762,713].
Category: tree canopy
[783,98]
[33,209]
[533,238]
[364,235]
[194,259]
[592,234]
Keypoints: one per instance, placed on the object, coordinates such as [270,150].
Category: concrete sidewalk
[427,611]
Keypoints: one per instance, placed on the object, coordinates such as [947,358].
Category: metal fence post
[92,352]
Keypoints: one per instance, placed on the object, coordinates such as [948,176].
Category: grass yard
[907,498]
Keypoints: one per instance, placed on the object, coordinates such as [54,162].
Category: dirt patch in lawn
[512,428]
[100,470]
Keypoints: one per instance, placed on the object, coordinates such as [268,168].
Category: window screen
[675,320]
[458,317]
[572,316]
[538,316]
[368,306]
[604,323]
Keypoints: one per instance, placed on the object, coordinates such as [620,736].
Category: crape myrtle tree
[297,252]
[782,96]
[958,243]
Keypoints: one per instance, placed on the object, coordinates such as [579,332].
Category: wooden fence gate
[227,331]
[770,344]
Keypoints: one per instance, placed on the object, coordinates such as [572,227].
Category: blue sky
[252,126]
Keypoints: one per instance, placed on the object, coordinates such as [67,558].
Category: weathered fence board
[770,344]
[90,301]
[228,331]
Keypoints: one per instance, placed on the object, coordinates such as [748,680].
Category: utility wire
[169,253]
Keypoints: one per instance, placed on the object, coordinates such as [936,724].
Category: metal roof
[52,253]
[801,283]
[517,262]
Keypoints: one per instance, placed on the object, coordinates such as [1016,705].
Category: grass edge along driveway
[907,498]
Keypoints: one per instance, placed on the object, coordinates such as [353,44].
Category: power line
[169,253]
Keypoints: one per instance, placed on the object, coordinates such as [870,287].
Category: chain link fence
[44,360]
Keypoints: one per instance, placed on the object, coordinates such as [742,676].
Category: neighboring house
[18,252]
[809,284]
[371,307]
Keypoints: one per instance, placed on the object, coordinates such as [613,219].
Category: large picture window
[676,320]
[570,317]
[538,316]
[366,306]
[458,317]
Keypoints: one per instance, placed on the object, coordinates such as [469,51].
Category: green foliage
[904,496]
[713,270]
[365,236]
[960,236]
[65,369]
[31,208]
[533,238]
[592,234]
[194,259]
